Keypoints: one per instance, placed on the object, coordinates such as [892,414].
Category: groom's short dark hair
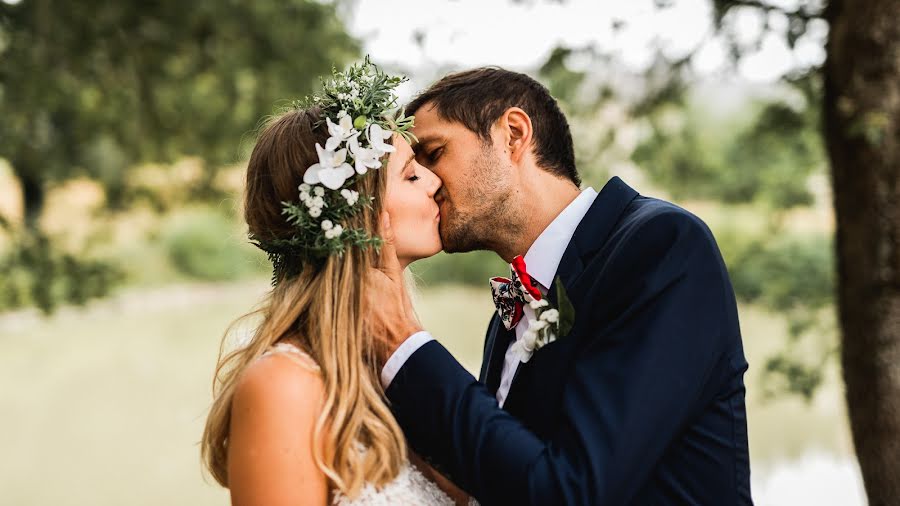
[478,97]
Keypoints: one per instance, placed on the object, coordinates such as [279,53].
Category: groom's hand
[390,315]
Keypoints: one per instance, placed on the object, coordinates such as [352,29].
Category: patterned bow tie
[511,294]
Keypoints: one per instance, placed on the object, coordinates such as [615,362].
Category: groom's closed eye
[429,155]
[428,151]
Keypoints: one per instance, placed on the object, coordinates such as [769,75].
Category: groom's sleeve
[659,320]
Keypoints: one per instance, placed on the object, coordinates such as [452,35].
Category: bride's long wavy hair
[322,309]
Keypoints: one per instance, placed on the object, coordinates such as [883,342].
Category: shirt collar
[544,255]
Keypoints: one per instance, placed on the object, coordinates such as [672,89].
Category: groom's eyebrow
[422,143]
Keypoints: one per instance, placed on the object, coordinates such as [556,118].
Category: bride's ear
[518,132]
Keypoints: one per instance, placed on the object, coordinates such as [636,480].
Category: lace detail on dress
[410,487]
[294,353]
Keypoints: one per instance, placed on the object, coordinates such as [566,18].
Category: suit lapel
[489,348]
[590,235]
[498,356]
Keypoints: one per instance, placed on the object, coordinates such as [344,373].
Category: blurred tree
[93,87]
[35,272]
[588,103]
[767,161]
[862,134]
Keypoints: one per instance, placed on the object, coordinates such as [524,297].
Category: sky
[470,33]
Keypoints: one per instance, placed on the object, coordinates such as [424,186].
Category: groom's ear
[518,133]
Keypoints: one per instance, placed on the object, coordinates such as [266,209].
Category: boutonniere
[550,323]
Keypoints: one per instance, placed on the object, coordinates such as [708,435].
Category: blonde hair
[323,310]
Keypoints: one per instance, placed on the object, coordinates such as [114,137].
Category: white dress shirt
[541,262]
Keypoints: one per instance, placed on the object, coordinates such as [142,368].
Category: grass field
[105,406]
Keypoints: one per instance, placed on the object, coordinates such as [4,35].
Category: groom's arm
[656,353]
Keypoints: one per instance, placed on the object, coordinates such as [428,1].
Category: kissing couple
[613,366]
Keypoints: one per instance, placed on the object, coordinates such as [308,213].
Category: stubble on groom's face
[475,199]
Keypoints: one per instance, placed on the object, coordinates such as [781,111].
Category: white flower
[524,348]
[327,225]
[304,197]
[315,202]
[350,195]
[319,191]
[368,159]
[377,136]
[331,171]
[537,325]
[304,188]
[537,304]
[341,114]
[315,212]
[338,230]
[550,316]
[529,339]
[339,132]
[365,158]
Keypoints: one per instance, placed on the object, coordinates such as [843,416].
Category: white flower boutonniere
[551,324]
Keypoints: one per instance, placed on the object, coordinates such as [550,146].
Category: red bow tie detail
[511,294]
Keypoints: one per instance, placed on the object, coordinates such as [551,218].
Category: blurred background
[123,258]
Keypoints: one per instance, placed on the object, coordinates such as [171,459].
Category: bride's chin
[427,252]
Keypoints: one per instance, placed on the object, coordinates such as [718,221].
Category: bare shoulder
[279,381]
[277,402]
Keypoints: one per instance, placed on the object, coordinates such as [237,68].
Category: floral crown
[360,109]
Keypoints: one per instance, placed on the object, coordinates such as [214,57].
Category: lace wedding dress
[410,487]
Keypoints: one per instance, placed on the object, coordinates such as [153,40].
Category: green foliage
[767,161]
[785,273]
[93,87]
[792,276]
[474,269]
[203,244]
[583,98]
[684,158]
[564,84]
[793,376]
[35,271]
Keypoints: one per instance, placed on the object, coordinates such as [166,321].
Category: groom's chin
[451,247]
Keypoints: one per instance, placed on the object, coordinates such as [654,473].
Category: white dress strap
[294,353]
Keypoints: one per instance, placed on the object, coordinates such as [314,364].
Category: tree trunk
[862,132]
[33,190]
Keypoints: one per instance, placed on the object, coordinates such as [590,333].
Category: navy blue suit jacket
[641,403]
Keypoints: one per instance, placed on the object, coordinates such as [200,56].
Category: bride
[299,416]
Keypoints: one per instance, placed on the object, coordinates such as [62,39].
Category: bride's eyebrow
[408,161]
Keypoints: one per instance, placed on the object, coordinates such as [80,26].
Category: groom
[642,400]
